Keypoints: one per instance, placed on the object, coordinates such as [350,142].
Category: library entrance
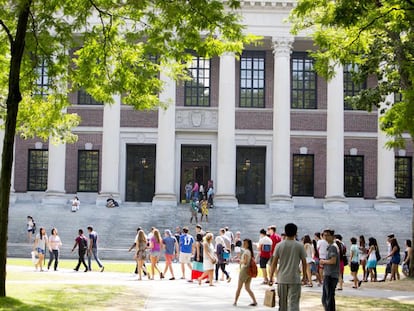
[195,166]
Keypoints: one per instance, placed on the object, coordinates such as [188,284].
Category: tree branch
[7,30]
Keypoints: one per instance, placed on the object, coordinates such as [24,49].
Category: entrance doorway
[140,173]
[195,166]
[250,175]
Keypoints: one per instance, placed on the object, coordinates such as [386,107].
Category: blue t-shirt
[186,243]
[169,243]
[93,238]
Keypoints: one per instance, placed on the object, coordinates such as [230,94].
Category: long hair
[141,236]
[157,235]
[249,246]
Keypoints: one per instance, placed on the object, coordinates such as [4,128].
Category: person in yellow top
[204,208]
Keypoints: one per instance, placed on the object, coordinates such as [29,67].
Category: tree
[104,47]
[376,36]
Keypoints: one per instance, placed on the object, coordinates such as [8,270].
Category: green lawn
[52,294]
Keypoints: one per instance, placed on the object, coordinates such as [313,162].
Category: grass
[25,291]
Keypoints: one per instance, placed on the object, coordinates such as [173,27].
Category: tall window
[88,171]
[86,99]
[403,177]
[350,87]
[303,171]
[354,176]
[197,90]
[252,79]
[303,78]
[37,174]
[42,79]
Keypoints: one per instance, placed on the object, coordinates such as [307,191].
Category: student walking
[288,254]
[244,277]
[54,246]
[330,271]
[82,243]
[93,249]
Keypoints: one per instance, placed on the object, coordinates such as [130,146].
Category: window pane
[38,170]
[303,82]
[86,99]
[88,171]
[252,79]
[197,90]
[354,176]
[403,178]
[351,88]
[302,175]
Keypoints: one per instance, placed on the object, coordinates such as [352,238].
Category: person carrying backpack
[82,243]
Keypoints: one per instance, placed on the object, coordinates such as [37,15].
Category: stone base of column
[281,203]
[225,200]
[102,197]
[164,199]
[336,204]
[55,197]
[12,197]
[386,204]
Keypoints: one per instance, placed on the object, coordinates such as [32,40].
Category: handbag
[270,298]
[226,255]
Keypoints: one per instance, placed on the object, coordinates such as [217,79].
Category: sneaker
[102,269]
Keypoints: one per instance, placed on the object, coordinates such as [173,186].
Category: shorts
[185,258]
[155,254]
[169,258]
[40,250]
[263,262]
[354,266]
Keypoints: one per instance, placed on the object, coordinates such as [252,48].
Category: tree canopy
[104,47]
[377,37]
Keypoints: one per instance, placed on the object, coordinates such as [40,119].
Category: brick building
[264,127]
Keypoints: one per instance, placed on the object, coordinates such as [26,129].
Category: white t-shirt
[322,246]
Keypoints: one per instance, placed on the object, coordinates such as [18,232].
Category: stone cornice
[268,3]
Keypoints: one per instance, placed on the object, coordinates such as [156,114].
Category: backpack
[342,252]
[252,270]
[83,245]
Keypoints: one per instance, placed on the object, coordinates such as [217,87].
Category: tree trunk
[13,99]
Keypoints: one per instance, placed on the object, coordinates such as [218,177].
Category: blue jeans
[95,255]
[328,293]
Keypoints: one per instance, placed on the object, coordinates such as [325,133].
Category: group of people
[278,256]
[200,200]
[86,246]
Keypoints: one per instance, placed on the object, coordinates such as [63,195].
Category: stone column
[225,185]
[165,150]
[55,193]
[281,197]
[335,144]
[110,151]
[385,199]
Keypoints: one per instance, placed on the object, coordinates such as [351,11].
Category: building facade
[263,126]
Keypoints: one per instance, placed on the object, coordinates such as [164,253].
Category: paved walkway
[184,296]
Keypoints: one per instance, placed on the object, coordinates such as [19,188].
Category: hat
[391,236]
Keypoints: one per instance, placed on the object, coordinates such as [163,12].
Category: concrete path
[184,296]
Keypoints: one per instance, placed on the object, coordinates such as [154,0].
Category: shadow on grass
[60,297]
[8,303]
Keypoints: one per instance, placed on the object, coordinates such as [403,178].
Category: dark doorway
[140,173]
[195,166]
[250,175]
